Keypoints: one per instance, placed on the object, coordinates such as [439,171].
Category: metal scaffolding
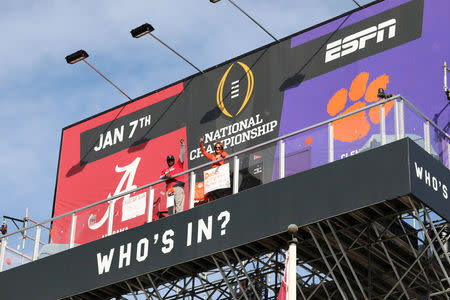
[397,249]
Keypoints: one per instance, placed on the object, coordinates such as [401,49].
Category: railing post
[382,126]
[73,225]
[151,196]
[447,146]
[110,217]
[426,136]
[2,252]
[330,142]
[396,120]
[191,189]
[402,118]
[282,159]
[36,243]
[235,174]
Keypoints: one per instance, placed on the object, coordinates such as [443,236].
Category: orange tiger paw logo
[357,126]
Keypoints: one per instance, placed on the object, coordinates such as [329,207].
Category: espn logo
[358,41]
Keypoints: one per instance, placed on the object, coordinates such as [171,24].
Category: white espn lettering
[358,41]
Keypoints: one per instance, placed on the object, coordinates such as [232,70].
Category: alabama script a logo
[235,91]
[129,173]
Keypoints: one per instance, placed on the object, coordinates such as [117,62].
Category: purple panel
[414,70]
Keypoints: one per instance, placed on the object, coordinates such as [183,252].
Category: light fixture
[82,55]
[147,29]
[141,30]
[76,57]
[248,16]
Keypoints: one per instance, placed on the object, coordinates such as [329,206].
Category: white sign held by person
[217,178]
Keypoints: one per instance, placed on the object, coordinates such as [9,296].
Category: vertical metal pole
[110,217]
[24,234]
[282,159]
[426,136]
[402,118]
[396,112]
[2,252]
[445,76]
[36,243]
[73,225]
[330,143]
[191,190]
[292,270]
[151,196]
[235,174]
[382,126]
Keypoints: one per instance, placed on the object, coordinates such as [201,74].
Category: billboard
[309,77]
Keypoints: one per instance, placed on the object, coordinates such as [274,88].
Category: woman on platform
[218,154]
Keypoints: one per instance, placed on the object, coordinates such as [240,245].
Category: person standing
[218,154]
[175,185]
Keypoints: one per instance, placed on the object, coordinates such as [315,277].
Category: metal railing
[399,132]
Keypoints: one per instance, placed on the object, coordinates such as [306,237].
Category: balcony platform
[353,209]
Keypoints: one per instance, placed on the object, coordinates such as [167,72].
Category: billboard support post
[191,189]
[426,136]
[235,174]
[382,125]
[36,242]
[330,143]
[396,120]
[282,159]
[110,217]
[151,194]
[2,252]
[73,224]
[402,118]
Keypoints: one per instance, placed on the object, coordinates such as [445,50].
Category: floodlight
[76,57]
[141,30]
[214,1]
[147,29]
[82,55]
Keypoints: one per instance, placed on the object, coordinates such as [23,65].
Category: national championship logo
[235,90]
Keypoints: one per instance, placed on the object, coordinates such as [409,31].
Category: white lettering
[134,124]
[118,135]
[142,253]
[124,255]
[166,239]
[358,41]
[418,171]
[204,230]
[104,262]
[189,234]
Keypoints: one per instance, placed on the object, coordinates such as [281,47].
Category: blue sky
[41,93]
